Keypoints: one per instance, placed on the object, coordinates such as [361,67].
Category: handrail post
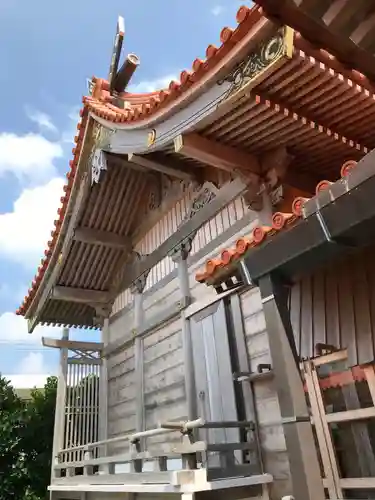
[136,465]
[87,469]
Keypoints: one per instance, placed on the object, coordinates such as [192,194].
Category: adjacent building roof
[220,266]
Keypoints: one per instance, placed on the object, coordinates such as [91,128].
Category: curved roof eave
[54,246]
[159,104]
[146,110]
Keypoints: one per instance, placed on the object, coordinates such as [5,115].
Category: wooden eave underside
[111,207]
[323,117]
[344,27]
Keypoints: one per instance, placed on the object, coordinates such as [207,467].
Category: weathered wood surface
[121,396]
[223,221]
[347,293]
[164,390]
[270,428]
[164,386]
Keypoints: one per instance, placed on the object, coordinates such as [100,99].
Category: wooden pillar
[137,291]
[103,390]
[180,255]
[59,426]
[302,453]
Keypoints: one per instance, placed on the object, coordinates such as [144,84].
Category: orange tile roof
[141,106]
[281,221]
[78,139]
[100,103]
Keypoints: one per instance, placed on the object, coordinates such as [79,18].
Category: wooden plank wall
[234,212]
[163,366]
[163,363]
[121,395]
[336,306]
[164,384]
[266,400]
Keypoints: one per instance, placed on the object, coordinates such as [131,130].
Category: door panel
[213,371]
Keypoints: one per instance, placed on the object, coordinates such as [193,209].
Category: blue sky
[48,51]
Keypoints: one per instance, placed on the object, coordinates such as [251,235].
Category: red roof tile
[140,106]
[81,126]
[280,222]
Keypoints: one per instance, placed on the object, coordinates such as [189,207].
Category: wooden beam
[226,194]
[306,4]
[304,465]
[71,344]
[338,13]
[341,12]
[116,51]
[79,295]
[363,34]
[151,164]
[124,75]
[97,237]
[215,154]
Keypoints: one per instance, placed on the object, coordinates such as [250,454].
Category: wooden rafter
[151,164]
[79,295]
[215,154]
[97,237]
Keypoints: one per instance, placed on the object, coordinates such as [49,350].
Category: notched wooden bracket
[274,167]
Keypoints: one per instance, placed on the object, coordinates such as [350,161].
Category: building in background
[220,233]
[24,384]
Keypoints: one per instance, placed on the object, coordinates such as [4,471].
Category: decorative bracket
[139,284]
[203,196]
[98,159]
[102,312]
[274,165]
[98,164]
[260,59]
[182,250]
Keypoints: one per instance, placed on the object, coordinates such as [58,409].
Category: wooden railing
[219,460]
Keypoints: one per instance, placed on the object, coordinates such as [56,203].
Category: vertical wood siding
[336,306]
[163,229]
[121,395]
[164,383]
[266,400]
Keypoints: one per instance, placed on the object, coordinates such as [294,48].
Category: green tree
[38,438]
[26,435]
[13,475]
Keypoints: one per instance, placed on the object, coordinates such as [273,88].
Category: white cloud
[151,85]
[13,330]
[28,156]
[43,120]
[21,381]
[25,231]
[217,10]
[67,136]
[32,364]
